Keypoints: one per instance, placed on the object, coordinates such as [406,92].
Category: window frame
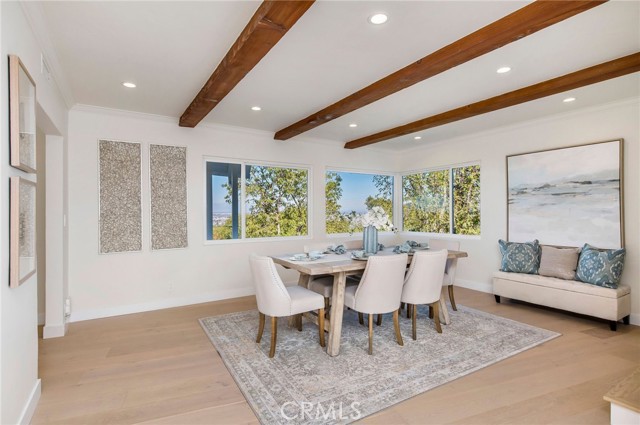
[242,201]
[394,203]
[449,168]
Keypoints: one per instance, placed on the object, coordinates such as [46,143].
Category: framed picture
[22,114]
[23,231]
[567,196]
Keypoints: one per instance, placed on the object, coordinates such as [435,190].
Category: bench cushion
[565,285]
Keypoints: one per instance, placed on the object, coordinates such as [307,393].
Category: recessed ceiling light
[378,18]
[353,125]
[256,108]
[129,85]
[503,70]
[417,138]
[569,99]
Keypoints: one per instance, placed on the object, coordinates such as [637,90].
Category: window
[275,201]
[442,201]
[349,194]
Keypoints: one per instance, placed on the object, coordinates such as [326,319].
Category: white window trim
[261,163]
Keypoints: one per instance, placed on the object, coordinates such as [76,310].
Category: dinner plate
[317,257]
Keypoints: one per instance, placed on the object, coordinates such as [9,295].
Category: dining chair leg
[260,328]
[360,318]
[436,316]
[326,307]
[379,322]
[299,322]
[396,325]
[401,306]
[408,311]
[452,299]
[413,322]
[430,312]
[274,335]
[321,326]
[371,334]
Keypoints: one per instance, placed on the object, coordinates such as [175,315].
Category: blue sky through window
[219,192]
[356,187]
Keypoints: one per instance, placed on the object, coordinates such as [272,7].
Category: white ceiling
[169,49]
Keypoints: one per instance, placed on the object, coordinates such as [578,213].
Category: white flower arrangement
[375,217]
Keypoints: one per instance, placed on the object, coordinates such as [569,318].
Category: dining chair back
[381,284]
[423,284]
[379,291]
[271,295]
[450,269]
[353,244]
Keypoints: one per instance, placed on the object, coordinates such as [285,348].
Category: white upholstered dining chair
[423,285]
[450,269]
[379,290]
[276,300]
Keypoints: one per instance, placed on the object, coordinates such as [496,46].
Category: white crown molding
[524,124]
[35,16]
[79,107]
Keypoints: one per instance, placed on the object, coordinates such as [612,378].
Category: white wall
[19,386]
[104,285]
[607,122]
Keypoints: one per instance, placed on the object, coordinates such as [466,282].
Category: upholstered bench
[570,295]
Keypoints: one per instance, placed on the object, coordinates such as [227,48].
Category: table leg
[444,312]
[337,308]
[303,281]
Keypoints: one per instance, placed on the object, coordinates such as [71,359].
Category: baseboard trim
[32,403]
[54,331]
[80,316]
[41,317]
[475,285]
[634,319]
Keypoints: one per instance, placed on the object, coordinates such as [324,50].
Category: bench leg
[625,320]
[497,298]
[613,325]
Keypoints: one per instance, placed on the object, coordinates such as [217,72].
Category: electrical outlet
[67,307]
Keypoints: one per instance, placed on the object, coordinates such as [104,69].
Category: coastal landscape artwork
[568,196]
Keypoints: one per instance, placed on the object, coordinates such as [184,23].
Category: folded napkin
[405,248]
[340,249]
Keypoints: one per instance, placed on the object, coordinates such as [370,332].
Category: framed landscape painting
[567,196]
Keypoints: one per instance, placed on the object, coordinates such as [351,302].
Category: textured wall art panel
[168,174]
[120,196]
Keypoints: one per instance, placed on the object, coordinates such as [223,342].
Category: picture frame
[22,248]
[22,116]
[567,196]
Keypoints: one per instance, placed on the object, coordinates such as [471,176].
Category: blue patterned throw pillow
[520,257]
[602,267]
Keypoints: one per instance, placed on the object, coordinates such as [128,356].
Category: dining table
[340,266]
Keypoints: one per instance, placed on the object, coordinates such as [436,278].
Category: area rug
[303,385]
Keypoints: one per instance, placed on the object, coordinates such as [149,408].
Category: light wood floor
[159,367]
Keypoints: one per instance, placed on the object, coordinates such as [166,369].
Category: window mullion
[243,195]
[451,219]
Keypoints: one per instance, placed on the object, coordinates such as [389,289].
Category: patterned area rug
[303,385]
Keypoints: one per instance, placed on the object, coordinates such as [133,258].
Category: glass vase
[370,240]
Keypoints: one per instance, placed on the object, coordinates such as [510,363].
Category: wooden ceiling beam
[521,23]
[267,26]
[595,74]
